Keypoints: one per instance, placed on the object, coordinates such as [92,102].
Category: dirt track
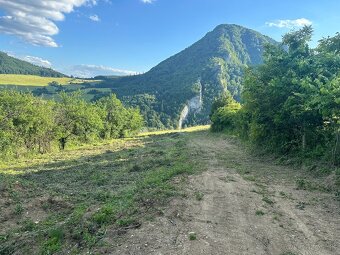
[235,213]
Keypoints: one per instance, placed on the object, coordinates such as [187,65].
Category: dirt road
[239,205]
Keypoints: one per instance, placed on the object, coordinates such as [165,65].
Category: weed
[249,178]
[282,194]
[199,196]
[300,205]
[268,200]
[337,195]
[54,241]
[19,209]
[259,213]
[28,225]
[302,184]
[125,222]
[104,215]
[103,196]
[192,236]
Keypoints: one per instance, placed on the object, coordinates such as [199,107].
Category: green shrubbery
[30,124]
[224,111]
[291,103]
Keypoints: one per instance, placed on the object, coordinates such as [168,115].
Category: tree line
[291,103]
[30,124]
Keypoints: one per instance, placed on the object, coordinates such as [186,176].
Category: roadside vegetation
[291,103]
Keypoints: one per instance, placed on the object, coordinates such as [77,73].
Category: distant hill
[11,65]
[181,89]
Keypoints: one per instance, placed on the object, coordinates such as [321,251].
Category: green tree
[118,120]
[76,119]
[291,102]
[224,113]
[114,116]
[26,123]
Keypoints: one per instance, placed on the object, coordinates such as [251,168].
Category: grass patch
[301,205]
[192,236]
[81,193]
[199,195]
[54,242]
[259,213]
[18,209]
[249,178]
[268,200]
[302,184]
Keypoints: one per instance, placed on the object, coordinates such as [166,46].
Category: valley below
[169,192]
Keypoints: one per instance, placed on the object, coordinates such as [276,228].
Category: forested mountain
[184,86]
[11,65]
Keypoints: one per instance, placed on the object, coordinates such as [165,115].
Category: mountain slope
[180,90]
[11,65]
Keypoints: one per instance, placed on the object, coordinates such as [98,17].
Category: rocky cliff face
[193,106]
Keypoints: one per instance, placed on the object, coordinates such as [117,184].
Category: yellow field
[33,80]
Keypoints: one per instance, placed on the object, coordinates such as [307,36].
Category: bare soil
[238,205]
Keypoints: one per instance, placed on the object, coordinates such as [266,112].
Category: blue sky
[87,37]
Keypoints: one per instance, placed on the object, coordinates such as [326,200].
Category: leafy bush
[30,124]
[291,103]
[224,113]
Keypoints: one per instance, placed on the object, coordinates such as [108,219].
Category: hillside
[184,86]
[11,65]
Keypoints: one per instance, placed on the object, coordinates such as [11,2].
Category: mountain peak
[204,70]
[228,26]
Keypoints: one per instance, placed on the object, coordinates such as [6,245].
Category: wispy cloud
[94,18]
[32,59]
[37,61]
[148,1]
[34,20]
[290,23]
[87,71]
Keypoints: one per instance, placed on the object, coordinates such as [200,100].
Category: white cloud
[148,1]
[37,61]
[34,20]
[289,23]
[94,18]
[87,71]
[32,59]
